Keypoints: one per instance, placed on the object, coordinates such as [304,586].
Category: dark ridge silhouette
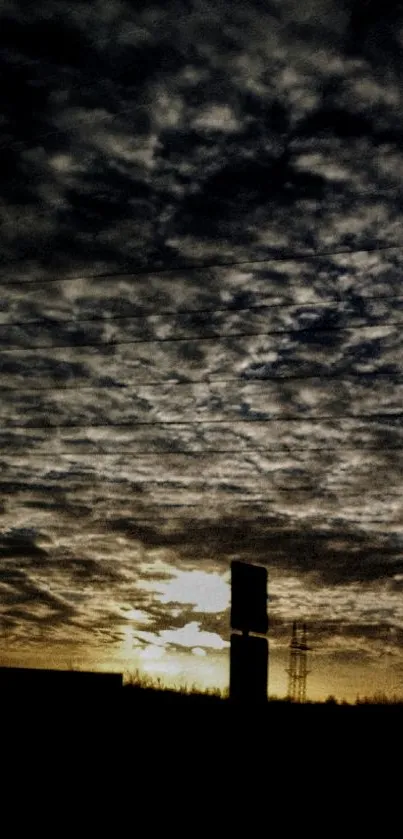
[38,683]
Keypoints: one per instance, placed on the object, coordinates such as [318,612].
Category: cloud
[207,592]
[161,423]
[191,636]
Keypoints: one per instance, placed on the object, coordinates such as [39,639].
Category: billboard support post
[248,653]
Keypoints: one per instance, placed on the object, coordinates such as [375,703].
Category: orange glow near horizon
[156,665]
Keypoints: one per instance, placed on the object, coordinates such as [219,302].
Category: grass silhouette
[140,681]
[144,688]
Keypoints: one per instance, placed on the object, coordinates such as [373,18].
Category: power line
[241,380]
[136,453]
[230,309]
[309,330]
[295,256]
[169,486]
[51,321]
[233,310]
[379,416]
[320,492]
[207,514]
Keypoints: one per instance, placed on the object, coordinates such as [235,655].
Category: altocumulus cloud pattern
[185,379]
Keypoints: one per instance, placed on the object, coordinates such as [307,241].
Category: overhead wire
[139,453]
[380,416]
[322,304]
[290,256]
[308,330]
[240,380]
[386,416]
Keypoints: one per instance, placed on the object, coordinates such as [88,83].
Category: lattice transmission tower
[298,664]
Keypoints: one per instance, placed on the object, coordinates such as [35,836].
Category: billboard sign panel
[249,597]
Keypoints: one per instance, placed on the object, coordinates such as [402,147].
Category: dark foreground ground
[111,759]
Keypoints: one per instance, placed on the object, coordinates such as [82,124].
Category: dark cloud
[373,30]
[330,556]
[27,601]
[20,543]
[114,185]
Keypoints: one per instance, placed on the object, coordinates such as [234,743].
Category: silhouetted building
[57,682]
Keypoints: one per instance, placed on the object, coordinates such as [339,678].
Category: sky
[200,329]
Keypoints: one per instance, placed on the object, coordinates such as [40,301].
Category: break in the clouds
[158,423]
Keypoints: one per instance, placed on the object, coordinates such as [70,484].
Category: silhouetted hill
[18,684]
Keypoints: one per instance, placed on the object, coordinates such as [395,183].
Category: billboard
[248,668]
[249,597]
